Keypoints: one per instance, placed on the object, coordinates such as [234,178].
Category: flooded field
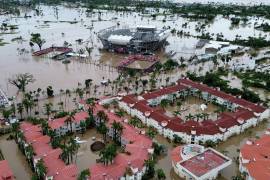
[63,24]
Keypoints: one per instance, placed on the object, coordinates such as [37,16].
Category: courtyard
[194,108]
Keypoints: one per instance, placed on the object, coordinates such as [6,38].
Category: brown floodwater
[99,66]
[85,157]
[54,25]
[15,158]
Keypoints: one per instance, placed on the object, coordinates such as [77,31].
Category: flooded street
[15,158]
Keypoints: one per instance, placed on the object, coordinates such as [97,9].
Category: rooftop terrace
[203,163]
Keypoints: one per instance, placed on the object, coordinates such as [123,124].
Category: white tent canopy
[119,39]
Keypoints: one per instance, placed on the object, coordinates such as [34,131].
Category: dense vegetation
[197,10]
[214,80]
[255,79]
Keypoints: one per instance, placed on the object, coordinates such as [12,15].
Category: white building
[194,162]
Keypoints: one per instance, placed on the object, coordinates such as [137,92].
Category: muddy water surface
[62,24]
[15,158]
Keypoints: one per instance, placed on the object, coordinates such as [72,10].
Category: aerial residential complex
[138,146]
[196,162]
[135,90]
[240,116]
[254,158]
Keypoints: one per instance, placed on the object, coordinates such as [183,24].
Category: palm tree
[90,102]
[29,153]
[108,154]
[205,116]
[103,129]
[31,104]
[150,168]
[73,148]
[189,117]
[15,130]
[179,104]
[48,109]
[177,113]
[112,151]
[160,174]
[41,169]
[164,103]
[70,118]
[117,131]
[20,109]
[104,156]
[45,127]
[65,154]
[13,109]
[36,39]
[120,113]
[83,126]
[25,103]
[134,122]
[151,132]
[67,93]
[84,175]
[199,94]
[102,117]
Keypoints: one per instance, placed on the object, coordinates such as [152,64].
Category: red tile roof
[57,123]
[226,120]
[241,102]
[129,99]
[31,135]
[143,107]
[80,116]
[55,166]
[26,126]
[259,156]
[67,173]
[203,163]
[164,91]
[5,171]
[175,154]
[138,150]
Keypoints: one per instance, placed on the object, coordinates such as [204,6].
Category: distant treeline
[199,10]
